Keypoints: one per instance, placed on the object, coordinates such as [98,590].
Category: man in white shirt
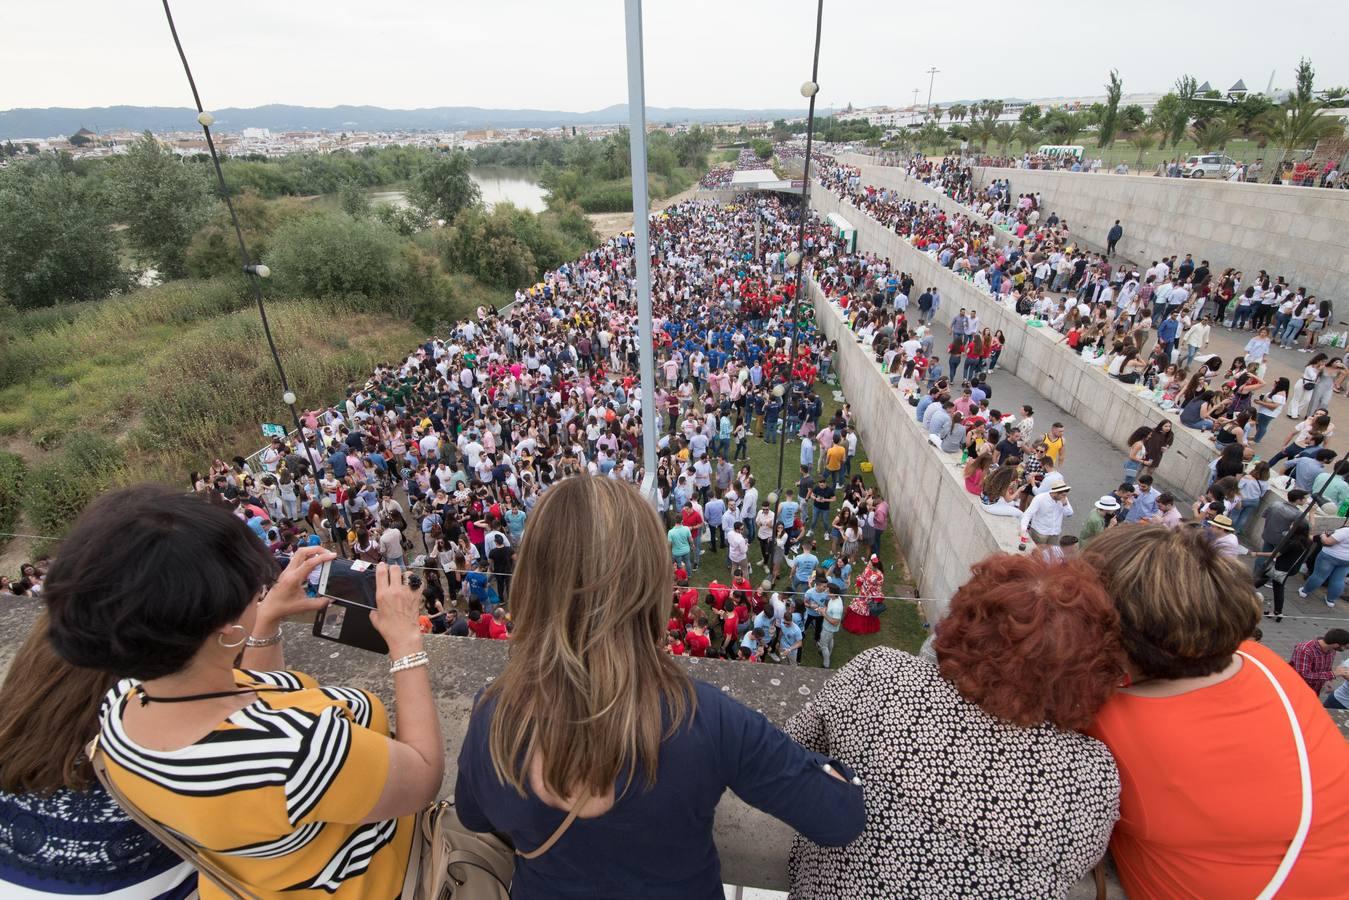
[1043,519]
[737,549]
[1196,338]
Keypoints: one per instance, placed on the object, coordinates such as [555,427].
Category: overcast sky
[569,54]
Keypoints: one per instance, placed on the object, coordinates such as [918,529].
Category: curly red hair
[1030,639]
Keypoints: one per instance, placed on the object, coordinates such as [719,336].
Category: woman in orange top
[1211,784]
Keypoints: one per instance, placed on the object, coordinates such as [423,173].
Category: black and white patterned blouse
[959,804]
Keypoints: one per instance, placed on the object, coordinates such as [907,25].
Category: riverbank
[609,224]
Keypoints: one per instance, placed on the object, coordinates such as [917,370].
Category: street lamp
[810,89]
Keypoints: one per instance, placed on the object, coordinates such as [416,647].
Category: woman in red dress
[859,619]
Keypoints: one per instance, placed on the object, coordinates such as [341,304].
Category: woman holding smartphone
[292,789]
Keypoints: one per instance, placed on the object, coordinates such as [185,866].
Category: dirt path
[609,224]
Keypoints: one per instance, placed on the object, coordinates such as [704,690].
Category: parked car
[1209,165]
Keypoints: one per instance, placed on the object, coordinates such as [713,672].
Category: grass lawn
[901,625]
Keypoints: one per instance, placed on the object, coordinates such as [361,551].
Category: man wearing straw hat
[1043,518]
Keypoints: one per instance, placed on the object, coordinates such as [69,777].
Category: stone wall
[1300,233]
[1035,355]
[940,525]
[461,667]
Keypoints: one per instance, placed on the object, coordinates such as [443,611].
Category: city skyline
[516,54]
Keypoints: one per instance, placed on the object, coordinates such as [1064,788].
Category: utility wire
[249,268]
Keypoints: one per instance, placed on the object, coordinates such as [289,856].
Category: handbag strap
[556,836]
[187,852]
[1305,778]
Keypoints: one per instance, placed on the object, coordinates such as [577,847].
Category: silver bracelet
[411,661]
[272,641]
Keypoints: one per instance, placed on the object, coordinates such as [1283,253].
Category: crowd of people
[719,176]
[437,461]
[499,465]
[1108,314]
[1149,328]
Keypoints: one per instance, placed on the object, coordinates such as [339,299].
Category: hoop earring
[220,638]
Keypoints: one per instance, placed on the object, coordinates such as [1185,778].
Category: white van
[1208,165]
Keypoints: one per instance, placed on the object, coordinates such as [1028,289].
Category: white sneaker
[1301,593]
[1330,604]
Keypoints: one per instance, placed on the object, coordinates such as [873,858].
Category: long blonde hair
[587,690]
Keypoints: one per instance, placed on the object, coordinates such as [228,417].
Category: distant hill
[53,121]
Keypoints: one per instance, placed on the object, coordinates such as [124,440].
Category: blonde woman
[593,733]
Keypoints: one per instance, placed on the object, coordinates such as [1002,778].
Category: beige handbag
[447,861]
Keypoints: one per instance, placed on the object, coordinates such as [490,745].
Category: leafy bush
[214,249]
[57,245]
[332,254]
[59,489]
[12,472]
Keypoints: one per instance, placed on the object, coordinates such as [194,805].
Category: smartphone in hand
[350,587]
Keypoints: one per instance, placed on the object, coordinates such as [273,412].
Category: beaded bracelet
[411,661]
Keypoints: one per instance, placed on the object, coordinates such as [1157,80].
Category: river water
[497,186]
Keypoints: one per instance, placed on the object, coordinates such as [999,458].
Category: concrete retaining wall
[1035,355]
[1300,233]
[941,527]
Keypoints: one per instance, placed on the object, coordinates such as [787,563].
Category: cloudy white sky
[569,54]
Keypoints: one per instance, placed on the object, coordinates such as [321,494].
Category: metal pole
[801,237]
[932,76]
[641,240]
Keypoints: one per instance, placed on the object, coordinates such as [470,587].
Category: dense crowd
[437,461]
[505,455]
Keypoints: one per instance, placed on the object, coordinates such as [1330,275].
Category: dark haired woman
[63,836]
[1156,444]
[927,739]
[290,788]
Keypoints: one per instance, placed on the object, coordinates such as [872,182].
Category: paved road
[1230,344]
[1092,465]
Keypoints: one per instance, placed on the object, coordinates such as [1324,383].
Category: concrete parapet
[1035,355]
[1300,233]
[941,527]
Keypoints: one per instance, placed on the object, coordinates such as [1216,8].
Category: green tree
[1026,135]
[332,254]
[214,249]
[1004,133]
[1186,89]
[762,149]
[1248,110]
[1215,133]
[1131,117]
[1110,118]
[162,200]
[982,131]
[1305,79]
[58,245]
[692,147]
[1297,126]
[1030,115]
[957,112]
[1061,126]
[931,135]
[486,246]
[442,188]
[79,140]
[1144,138]
[354,200]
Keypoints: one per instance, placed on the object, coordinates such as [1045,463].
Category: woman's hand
[287,597]
[398,607]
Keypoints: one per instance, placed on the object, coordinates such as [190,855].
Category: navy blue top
[658,842]
[80,843]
